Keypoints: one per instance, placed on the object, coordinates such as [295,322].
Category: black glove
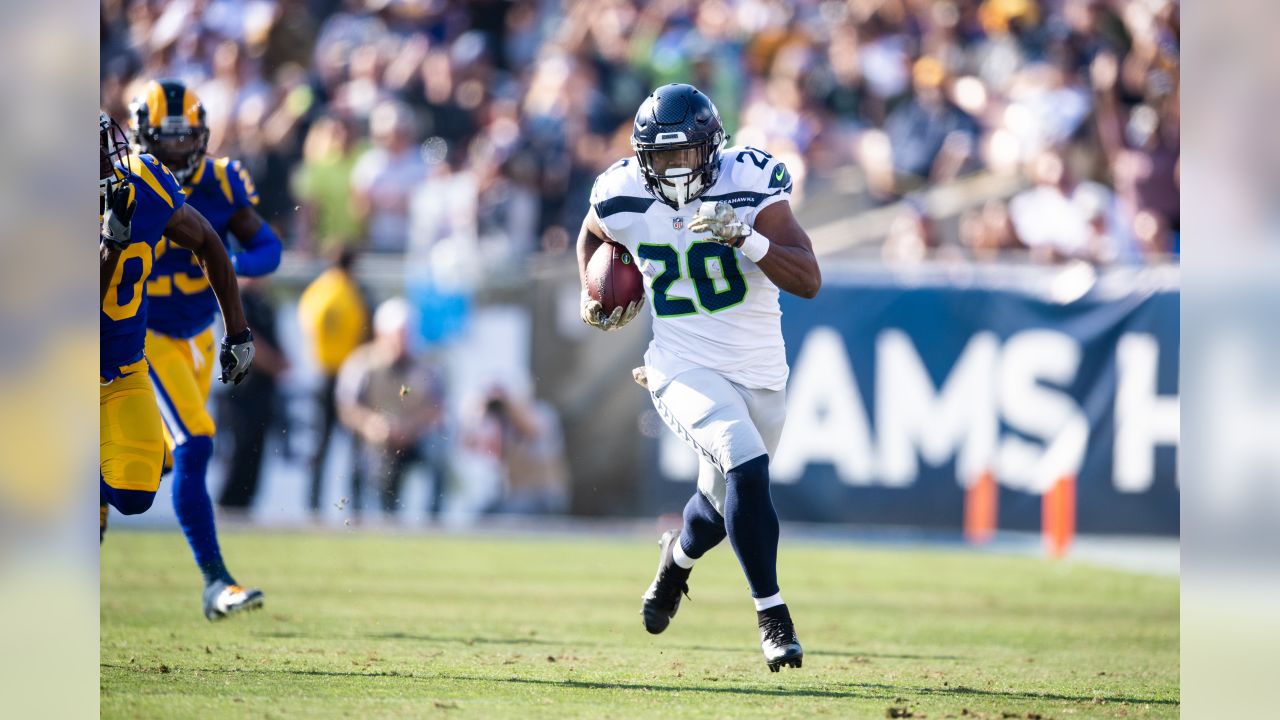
[116,222]
[236,356]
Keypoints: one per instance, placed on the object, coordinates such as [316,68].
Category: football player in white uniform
[715,240]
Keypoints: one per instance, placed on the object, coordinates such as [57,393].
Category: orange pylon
[1058,516]
[981,503]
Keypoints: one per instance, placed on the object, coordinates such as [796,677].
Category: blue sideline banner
[905,388]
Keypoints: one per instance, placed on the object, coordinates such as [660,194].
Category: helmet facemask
[181,151]
[678,174]
[113,152]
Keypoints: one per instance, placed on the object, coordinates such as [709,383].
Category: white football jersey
[711,306]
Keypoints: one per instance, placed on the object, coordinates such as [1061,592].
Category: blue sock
[753,524]
[194,509]
[128,502]
[703,526]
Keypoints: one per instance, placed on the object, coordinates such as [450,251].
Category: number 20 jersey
[123,314]
[712,307]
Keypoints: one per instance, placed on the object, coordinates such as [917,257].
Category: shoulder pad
[621,179]
[754,170]
[234,182]
[148,172]
[619,197]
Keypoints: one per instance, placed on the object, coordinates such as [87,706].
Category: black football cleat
[778,638]
[662,600]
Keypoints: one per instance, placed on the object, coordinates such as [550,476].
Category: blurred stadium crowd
[463,138]
[440,126]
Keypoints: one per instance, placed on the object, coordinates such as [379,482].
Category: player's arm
[590,238]
[776,244]
[108,258]
[788,258]
[189,229]
[261,246]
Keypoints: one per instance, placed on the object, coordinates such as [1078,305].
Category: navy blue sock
[753,524]
[703,526]
[128,502]
[194,509]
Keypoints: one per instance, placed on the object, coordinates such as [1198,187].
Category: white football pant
[726,423]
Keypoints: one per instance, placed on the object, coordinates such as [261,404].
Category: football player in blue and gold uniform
[140,202]
[168,122]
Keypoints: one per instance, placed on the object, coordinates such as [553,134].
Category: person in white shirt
[386,175]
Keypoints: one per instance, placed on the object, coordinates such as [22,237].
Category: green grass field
[374,626]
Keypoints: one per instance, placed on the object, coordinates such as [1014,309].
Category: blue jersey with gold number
[123,315]
[182,303]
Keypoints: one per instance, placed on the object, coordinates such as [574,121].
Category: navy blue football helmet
[677,138]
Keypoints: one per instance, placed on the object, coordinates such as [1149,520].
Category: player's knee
[129,484]
[196,449]
[752,474]
[131,502]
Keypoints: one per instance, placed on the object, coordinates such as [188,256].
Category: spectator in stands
[926,138]
[335,321]
[249,408]
[541,96]
[1140,143]
[386,175]
[393,399]
[986,232]
[290,37]
[525,440]
[444,209]
[322,184]
[1154,238]
[1062,219]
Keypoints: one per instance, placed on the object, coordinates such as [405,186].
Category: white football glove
[721,221]
[593,313]
[117,220]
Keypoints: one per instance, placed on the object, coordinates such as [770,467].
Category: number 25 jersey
[182,303]
[712,307]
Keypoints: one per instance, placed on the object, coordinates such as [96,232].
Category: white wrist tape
[754,246]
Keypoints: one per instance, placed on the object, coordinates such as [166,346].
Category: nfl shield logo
[677,223]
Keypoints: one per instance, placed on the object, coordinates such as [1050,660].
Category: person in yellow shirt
[335,321]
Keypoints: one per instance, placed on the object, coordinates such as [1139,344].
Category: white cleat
[222,600]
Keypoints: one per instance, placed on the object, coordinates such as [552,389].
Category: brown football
[613,278]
